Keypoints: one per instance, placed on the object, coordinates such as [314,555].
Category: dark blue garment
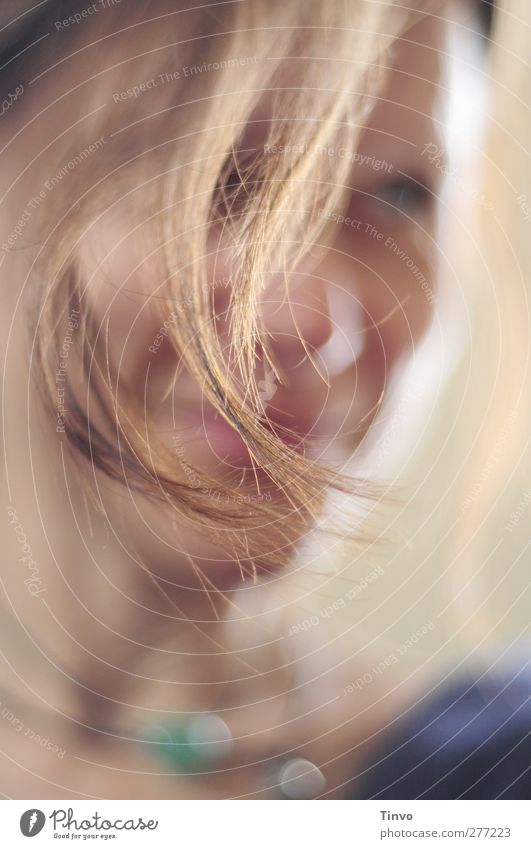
[472,741]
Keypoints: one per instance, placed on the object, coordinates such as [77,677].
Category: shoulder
[469,740]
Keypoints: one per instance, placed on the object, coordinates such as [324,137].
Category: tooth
[347,340]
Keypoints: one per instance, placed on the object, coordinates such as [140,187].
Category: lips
[303,421]
[327,386]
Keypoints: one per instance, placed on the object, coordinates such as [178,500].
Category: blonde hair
[177,165]
[196,177]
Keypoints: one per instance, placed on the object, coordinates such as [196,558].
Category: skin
[101,614]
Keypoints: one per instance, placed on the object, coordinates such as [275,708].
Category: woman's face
[337,327]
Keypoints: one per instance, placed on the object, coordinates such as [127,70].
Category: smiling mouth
[228,448]
[304,422]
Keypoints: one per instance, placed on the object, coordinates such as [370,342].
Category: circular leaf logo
[32,822]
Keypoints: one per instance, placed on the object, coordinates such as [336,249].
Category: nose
[320,320]
[311,318]
[293,308]
[296,315]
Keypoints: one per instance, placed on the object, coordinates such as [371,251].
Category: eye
[403,195]
[237,182]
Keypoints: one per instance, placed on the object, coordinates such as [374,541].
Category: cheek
[386,270]
[396,275]
[124,288]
